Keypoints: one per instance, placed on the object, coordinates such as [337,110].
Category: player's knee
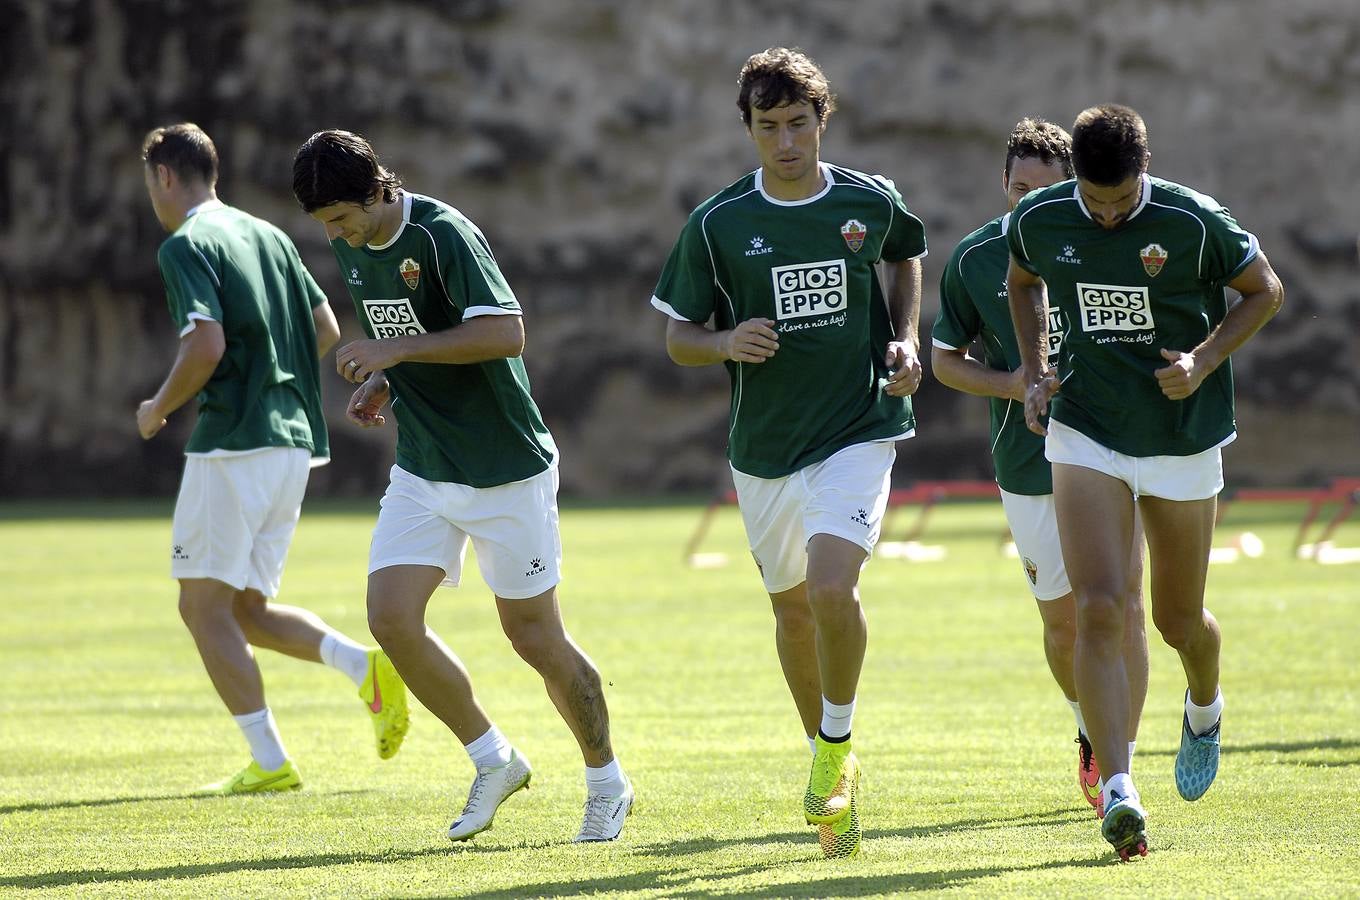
[1060,637]
[1177,630]
[247,607]
[1100,614]
[394,624]
[535,642]
[794,619]
[831,593]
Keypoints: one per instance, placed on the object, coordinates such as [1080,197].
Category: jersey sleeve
[959,321]
[1015,239]
[192,288]
[315,296]
[906,237]
[687,289]
[1228,248]
[472,279]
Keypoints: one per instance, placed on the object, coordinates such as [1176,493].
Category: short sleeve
[959,321]
[1015,239]
[475,284]
[191,286]
[906,237]
[687,289]
[1228,249]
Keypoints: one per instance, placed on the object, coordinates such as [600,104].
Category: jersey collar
[827,179]
[1144,191]
[405,217]
[205,206]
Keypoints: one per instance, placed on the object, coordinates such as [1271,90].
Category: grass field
[108,721]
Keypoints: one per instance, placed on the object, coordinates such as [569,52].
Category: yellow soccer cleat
[842,839]
[834,768]
[254,780]
[384,693]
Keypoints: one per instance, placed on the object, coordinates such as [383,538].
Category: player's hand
[752,341]
[1182,378]
[366,404]
[148,421]
[1036,402]
[358,359]
[1018,388]
[904,369]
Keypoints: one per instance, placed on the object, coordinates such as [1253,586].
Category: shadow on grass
[44,806]
[1304,747]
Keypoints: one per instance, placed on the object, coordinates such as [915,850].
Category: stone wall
[579,133]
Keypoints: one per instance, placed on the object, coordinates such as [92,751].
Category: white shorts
[513,526]
[1034,526]
[1195,477]
[844,495]
[235,517]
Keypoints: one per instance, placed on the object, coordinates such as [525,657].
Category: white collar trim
[205,206]
[405,217]
[1144,190]
[828,179]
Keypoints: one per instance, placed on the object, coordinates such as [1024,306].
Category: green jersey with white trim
[974,304]
[473,424]
[241,272]
[809,265]
[1156,281]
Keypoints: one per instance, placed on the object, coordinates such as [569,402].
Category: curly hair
[1041,138]
[340,167]
[1109,144]
[781,76]
[185,149]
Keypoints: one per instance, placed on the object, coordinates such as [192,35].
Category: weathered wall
[578,134]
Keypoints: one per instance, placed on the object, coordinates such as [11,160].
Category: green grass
[107,721]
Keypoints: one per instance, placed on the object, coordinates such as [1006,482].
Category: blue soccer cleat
[1197,760]
[1125,826]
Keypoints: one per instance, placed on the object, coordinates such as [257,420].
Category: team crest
[410,272]
[854,232]
[1153,257]
[1031,570]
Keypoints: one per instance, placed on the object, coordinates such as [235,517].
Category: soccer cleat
[834,769]
[1125,826]
[1088,776]
[384,693]
[489,790]
[841,840]
[604,815]
[1197,760]
[254,780]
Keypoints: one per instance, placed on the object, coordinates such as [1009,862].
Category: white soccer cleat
[489,790]
[604,816]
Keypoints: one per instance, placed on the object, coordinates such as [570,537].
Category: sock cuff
[253,718]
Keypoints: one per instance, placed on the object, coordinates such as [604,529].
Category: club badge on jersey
[1153,257]
[854,233]
[410,272]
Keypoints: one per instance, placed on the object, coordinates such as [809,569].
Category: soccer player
[784,264]
[474,461]
[1142,404]
[973,305]
[253,324]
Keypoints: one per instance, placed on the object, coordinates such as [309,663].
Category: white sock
[491,749]
[812,744]
[262,734]
[836,718]
[1132,744]
[1076,714]
[1121,784]
[339,652]
[606,779]
[1202,718]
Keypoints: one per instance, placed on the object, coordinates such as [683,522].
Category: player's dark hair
[185,149]
[1109,145]
[779,77]
[340,167]
[1038,137]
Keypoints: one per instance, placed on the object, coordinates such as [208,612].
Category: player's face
[1109,206]
[788,139]
[1029,174]
[353,223]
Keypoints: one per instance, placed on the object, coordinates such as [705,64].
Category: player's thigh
[772,513]
[289,470]
[847,499]
[1033,520]
[1179,535]
[514,528]
[1095,513]
[413,528]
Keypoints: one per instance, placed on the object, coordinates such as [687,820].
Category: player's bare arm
[475,340]
[902,281]
[365,406]
[327,330]
[962,372]
[199,352]
[692,344]
[1262,295]
[1029,313]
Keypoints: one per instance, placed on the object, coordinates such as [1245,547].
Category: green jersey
[809,266]
[974,304]
[472,424]
[1156,281]
[229,267]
